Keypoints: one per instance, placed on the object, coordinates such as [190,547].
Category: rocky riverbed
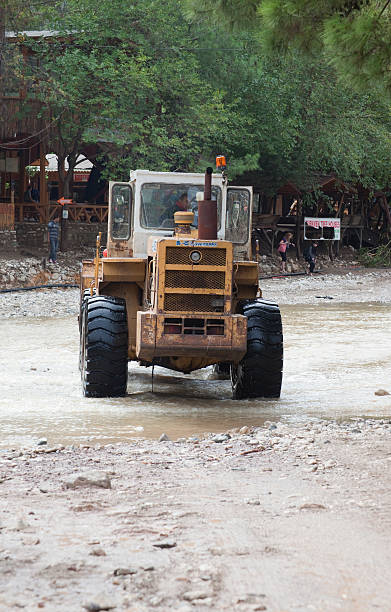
[29,269]
[348,286]
[357,286]
[278,518]
[338,281]
[284,517]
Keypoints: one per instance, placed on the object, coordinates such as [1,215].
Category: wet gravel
[356,286]
[39,303]
[281,517]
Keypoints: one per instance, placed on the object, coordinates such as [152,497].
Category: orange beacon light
[220,162]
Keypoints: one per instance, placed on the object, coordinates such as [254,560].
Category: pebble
[97,552]
[312,506]
[164,438]
[244,430]
[164,544]
[42,442]
[88,479]
[193,595]
[125,571]
[100,603]
[219,438]
[21,525]
[381,392]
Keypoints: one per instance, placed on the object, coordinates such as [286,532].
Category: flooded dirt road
[286,516]
[336,357]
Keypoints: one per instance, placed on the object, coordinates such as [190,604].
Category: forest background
[168,85]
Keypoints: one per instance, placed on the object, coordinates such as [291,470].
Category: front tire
[259,373]
[104,347]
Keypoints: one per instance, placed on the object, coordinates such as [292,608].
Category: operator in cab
[182,203]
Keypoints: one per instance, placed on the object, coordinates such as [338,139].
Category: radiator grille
[187,302]
[210,256]
[194,279]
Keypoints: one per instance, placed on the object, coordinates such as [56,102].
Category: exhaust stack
[207,211]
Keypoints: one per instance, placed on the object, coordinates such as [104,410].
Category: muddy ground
[281,518]
[288,517]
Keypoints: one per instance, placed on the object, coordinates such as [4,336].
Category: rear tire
[104,347]
[84,297]
[259,373]
[221,370]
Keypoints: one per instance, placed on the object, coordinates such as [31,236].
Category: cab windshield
[160,201]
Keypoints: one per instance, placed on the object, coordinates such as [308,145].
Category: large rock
[88,479]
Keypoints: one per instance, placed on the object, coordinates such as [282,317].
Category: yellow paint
[142,282]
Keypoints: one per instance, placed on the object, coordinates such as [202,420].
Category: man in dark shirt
[181,203]
[310,255]
[53,233]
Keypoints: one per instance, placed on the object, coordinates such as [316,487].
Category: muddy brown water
[336,357]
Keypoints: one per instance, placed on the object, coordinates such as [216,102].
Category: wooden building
[22,137]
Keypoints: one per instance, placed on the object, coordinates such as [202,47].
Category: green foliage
[379,257]
[355,35]
[144,87]
[124,77]
[232,13]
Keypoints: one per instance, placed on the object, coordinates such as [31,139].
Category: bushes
[378,257]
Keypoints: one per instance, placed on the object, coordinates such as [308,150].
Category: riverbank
[349,286]
[278,518]
[357,286]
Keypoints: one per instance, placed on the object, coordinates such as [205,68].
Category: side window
[121,203]
[237,216]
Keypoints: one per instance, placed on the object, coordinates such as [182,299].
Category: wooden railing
[81,213]
[7,216]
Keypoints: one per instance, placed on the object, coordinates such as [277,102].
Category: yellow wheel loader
[176,287]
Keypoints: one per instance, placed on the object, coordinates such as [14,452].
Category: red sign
[81,177]
[64,201]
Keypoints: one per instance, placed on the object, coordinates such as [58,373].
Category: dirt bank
[279,518]
[356,286]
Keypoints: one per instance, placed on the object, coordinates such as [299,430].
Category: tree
[355,35]
[287,118]
[123,77]
[141,86]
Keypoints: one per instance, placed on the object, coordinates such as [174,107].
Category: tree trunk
[3,107]
[386,209]
[299,210]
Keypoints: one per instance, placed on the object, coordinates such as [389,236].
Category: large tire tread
[259,374]
[105,363]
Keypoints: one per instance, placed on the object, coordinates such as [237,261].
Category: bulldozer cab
[145,207]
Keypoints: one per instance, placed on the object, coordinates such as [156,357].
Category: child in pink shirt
[285,243]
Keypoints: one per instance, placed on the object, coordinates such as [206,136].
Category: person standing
[31,194]
[53,234]
[310,256]
[285,243]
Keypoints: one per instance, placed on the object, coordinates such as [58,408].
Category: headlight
[195,256]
